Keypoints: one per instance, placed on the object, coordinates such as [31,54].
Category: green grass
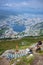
[41,52]
[11,44]
[25,61]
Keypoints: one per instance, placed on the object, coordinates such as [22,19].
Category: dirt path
[4,61]
[38,60]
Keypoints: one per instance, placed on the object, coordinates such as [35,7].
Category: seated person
[38,48]
[39,43]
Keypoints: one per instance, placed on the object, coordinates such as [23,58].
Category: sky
[31,6]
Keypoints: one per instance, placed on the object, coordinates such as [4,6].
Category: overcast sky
[23,5]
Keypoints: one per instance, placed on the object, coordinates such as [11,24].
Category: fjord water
[18,28]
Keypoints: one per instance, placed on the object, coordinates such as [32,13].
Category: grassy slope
[11,44]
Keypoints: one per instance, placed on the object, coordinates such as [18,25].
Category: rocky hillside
[16,26]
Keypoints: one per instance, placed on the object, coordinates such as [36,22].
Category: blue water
[19,28]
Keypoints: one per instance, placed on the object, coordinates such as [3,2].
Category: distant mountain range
[17,26]
[37,29]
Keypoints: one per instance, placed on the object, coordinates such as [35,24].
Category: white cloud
[8,5]
[30,4]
